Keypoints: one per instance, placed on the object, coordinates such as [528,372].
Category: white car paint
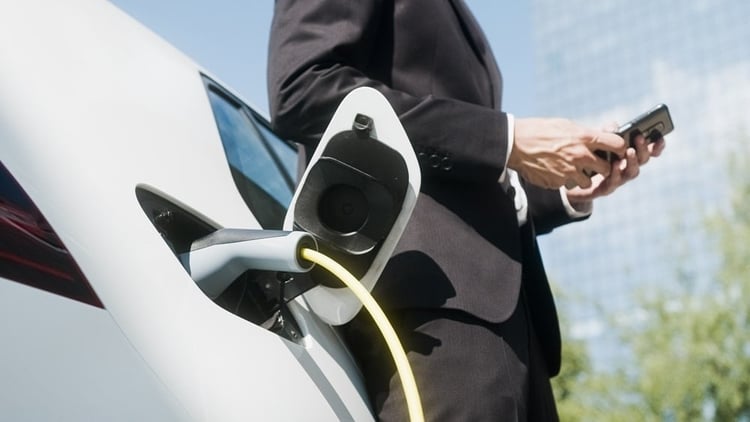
[92,105]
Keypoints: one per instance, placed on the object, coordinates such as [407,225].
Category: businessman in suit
[466,287]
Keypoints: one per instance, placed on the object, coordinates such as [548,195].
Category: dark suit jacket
[463,248]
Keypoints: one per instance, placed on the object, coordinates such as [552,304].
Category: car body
[116,152]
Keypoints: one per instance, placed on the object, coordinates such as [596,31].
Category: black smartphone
[653,124]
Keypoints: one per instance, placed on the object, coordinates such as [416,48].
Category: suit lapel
[479,44]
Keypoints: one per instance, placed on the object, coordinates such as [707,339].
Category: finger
[642,149]
[597,189]
[610,127]
[656,148]
[610,183]
[598,165]
[608,142]
[631,165]
[582,180]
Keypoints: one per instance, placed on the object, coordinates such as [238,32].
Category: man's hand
[552,152]
[621,172]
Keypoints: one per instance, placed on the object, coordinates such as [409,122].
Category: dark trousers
[466,369]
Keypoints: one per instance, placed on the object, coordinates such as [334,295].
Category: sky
[229,38]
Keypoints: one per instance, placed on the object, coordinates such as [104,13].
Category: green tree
[581,393]
[574,372]
[691,348]
[693,351]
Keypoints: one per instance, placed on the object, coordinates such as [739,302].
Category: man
[466,287]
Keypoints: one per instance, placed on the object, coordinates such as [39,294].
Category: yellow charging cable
[413,401]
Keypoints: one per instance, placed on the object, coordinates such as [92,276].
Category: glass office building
[598,62]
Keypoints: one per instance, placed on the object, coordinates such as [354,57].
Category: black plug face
[354,192]
[343,208]
[351,199]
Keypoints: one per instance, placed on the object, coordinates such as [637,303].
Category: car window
[287,155]
[260,164]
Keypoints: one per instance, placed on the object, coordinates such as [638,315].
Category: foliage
[585,395]
[581,393]
[692,349]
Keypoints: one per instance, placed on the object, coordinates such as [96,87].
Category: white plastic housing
[338,305]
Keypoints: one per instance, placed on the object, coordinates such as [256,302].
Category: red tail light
[31,252]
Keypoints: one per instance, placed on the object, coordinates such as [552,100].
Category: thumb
[610,127]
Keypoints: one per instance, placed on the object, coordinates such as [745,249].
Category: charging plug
[216,260]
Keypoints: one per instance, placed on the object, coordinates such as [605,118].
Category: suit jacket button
[434,161]
[446,164]
[423,154]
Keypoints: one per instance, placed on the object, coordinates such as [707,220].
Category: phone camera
[654,135]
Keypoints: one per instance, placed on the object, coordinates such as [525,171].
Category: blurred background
[654,288]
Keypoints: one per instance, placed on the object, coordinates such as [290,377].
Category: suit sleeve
[320,50]
[547,209]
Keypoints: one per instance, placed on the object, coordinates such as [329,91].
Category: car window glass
[286,154]
[260,179]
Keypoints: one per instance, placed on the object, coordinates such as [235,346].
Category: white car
[117,152]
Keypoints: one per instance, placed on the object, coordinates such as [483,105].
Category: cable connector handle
[217,259]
